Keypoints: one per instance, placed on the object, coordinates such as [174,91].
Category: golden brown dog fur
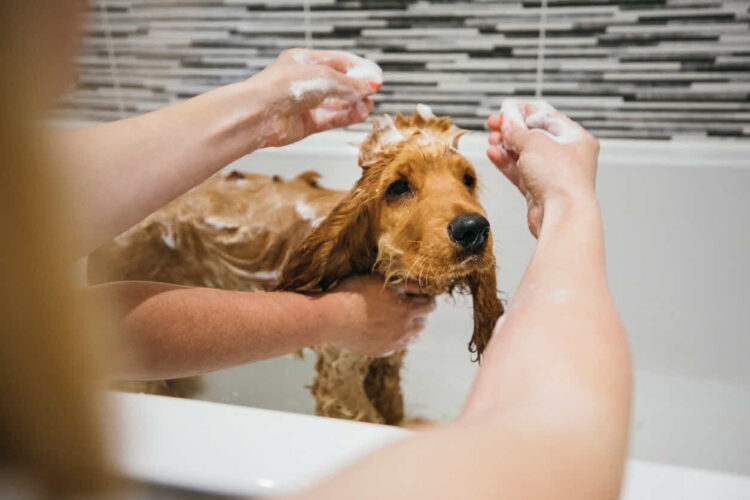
[366,230]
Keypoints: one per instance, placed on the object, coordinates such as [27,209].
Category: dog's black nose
[470,231]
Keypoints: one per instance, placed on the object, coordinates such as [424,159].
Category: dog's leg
[339,387]
[383,387]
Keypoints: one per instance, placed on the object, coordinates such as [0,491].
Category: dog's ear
[487,308]
[340,246]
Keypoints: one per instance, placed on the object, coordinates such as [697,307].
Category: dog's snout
[470,231]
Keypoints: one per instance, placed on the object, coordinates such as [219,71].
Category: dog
[413,215]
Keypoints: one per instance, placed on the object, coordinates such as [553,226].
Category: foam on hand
[547,119]
[544,118]
[511,111]
[365,69]
[362,69]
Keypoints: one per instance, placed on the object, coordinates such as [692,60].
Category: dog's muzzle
[470,231]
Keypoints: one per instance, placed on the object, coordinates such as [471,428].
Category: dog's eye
[469,180]
[399,188]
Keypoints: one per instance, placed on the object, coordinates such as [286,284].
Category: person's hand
[307,91]
[544,153]
[364,315]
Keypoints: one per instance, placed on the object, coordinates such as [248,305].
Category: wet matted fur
[317,237]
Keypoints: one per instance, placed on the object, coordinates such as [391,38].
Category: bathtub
[677,222]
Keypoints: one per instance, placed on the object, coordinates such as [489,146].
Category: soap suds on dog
[221,222]
[391,134]
[425,111]
[168,236]
[308,213]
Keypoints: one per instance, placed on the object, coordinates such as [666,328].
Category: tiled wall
[624,68]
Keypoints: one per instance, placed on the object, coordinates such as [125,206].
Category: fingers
[509,129]
[336,104]
[418,301]
[503,159]
[500,156]
[314,84]
[522,121]
[355,67]
[410,287]
[348,86]
[496,138]
[370,105]
[541,115]
[505,163]
[511,114]
[410,311]
[339,60]
[513,127]
[536,105]
[421,304]
[366,72]
[335,113]
[494,122]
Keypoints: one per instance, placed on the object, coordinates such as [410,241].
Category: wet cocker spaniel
[413,215]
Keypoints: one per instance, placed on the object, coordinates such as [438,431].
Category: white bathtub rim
[232,468]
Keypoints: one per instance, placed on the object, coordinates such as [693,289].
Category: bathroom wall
[655,69]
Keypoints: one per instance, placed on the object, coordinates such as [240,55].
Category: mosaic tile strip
[655,69]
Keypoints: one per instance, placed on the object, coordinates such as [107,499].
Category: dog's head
[413,215]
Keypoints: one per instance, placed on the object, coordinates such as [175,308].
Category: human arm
[171,331]
[548,415]
[122,171]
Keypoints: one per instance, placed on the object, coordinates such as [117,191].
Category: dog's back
[233,232]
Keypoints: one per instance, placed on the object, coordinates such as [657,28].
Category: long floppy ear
[340,246]
[487,308]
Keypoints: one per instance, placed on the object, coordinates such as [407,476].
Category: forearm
[561,355]
[170,331]
[123,171]
[562,332]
